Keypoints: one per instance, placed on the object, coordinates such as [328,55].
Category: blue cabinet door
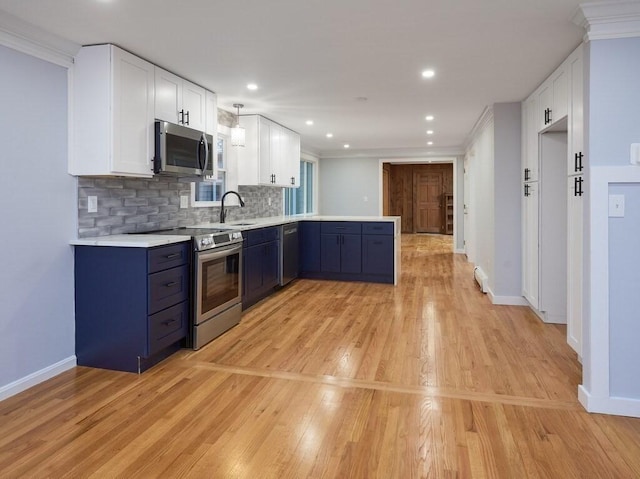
[351,253]
[309,247]
[253,270]
[270,264]
[330,253]
[377,254]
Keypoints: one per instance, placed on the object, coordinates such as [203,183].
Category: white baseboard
[31,380]
[508,300]
[609,405]
[459,251]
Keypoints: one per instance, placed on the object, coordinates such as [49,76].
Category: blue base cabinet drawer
[168,326]
[377,228]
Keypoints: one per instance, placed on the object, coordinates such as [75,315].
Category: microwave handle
[206,155]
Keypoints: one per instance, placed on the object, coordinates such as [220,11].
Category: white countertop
[150,240]
[254,223]
[130,240]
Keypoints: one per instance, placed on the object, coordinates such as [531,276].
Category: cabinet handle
[577,186]
[181,117]
[293,180]
[342,238]
[170,284]
[578,161]
[337,239]
[187,118]
[172,255]
[526,190]
[169,321]
[527,175]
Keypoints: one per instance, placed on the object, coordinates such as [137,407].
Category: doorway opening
[421,194]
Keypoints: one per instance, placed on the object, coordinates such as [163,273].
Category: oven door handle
[219,252]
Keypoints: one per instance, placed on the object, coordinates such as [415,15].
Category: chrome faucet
[223,213]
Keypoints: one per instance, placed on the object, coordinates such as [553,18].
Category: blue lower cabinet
[261,264]
[347,251]
[132,305]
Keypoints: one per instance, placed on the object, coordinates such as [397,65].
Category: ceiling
[352,66]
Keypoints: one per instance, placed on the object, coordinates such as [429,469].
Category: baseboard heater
[480,278]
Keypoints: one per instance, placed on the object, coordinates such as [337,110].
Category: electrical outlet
[269,201]
[92,204]
[184,201]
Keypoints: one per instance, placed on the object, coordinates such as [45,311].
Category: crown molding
[32,40]
[394,153]
[485,118]
[606,20]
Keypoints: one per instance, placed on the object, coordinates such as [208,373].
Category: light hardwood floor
[336,380]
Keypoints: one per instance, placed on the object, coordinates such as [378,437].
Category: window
[301,200]
[212,188]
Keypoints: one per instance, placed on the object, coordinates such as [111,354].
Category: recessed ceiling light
[252,86]
[429,132]
[309,122]
[329,135]
[346,145]
[428,74]
[429,143]
[429,117]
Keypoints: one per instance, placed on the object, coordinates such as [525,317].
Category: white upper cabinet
[576,158]
[553,98]
[530,139]
[271,155]
[293,147]
[113,113]
[179,101]
[211,111]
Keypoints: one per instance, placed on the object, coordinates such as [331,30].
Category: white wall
[481,200]
[38,216]
[349,186]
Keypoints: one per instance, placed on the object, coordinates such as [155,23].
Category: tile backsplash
[130,205]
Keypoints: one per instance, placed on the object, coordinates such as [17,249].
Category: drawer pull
[170,284]
[172,255]
[169,321]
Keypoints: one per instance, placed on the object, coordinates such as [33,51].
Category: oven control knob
[205,242]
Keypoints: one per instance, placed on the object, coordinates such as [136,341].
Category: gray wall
[507,197]
[38,197]
[344,185]
[613,124]
[614,100]
[624,300]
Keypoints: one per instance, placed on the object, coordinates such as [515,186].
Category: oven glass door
[218,281]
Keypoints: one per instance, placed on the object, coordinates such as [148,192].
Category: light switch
[635,154]
[92,204]
[616,206]
[184,201]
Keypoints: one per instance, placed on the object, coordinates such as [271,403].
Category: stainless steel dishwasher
[288,253]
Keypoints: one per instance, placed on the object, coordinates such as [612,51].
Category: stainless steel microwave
[182,151]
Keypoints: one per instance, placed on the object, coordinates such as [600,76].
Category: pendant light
[237,132]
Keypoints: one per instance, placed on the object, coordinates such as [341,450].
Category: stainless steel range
[217,281]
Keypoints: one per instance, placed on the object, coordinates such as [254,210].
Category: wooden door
[428,189]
